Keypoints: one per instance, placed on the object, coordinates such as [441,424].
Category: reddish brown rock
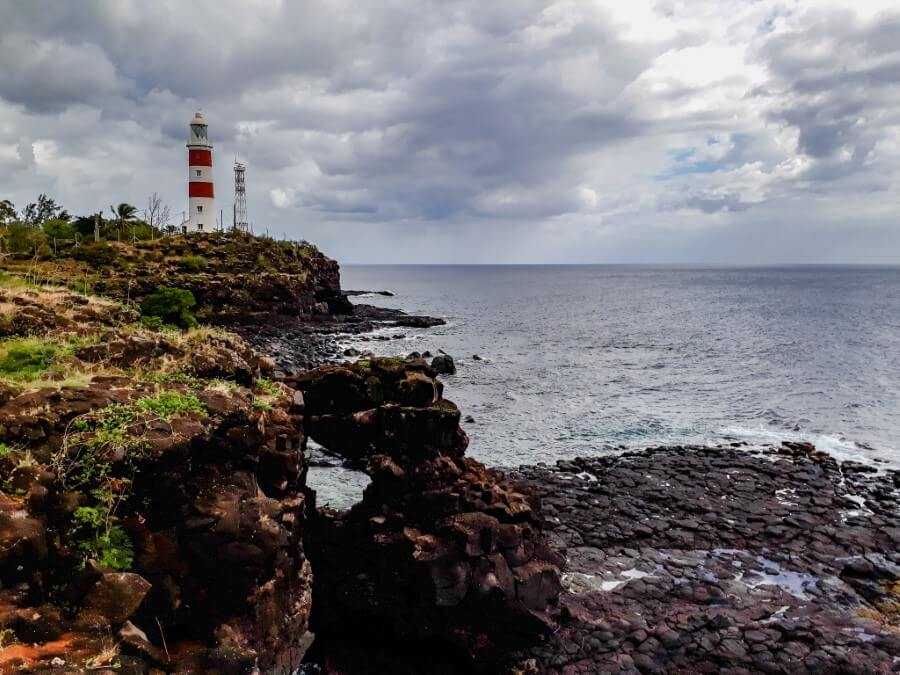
[117,596]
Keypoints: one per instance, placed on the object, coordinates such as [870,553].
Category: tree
[43,210]
[59,229]
[7,212]
[122,214]
[157,214]
[84,225]
[23,239]
[171,305]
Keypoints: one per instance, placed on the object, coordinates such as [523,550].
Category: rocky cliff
[154,512]
[152,503]
[235,277]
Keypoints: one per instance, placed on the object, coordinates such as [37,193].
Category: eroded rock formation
[441,548]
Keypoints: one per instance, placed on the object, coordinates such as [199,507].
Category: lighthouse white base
[201,216]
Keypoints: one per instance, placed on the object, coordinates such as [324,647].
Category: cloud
[578,130]
[47,75]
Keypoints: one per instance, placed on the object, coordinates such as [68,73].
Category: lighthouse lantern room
[201,203]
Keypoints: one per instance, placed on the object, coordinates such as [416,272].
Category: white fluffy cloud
[447,131]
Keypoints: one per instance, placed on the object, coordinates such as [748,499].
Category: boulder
[443,364]
[117,595]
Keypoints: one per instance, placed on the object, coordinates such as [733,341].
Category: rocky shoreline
[695,559]
[302,343]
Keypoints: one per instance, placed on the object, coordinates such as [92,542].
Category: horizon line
[625,264]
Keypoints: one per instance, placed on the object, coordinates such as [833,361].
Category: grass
[270,392]
[5,450]
[175,377]
[26,359]
[261,404]
[193,263]
[32,359]
[13,281]
[267,387]
[168,404]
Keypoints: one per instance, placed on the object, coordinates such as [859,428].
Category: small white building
[201,215]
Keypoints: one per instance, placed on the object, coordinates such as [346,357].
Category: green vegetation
[59,229]
[171,305]
[270,392]
[45,230]
[97,254]
[101,454]
[267,387]
[193,263]
[168,404]
[260,403]
[177,377]
[155,323]
[12,281]
[34,359]
[5,450]
[100,539]
[27,359]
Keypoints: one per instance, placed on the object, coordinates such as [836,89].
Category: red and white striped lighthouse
[201,202]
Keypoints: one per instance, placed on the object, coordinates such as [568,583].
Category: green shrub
[171,305]
[5,450]
[23,239]
[100,539]
[157,324]
[97,254]
[193,263]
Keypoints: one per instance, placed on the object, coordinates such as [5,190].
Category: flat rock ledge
[697,560]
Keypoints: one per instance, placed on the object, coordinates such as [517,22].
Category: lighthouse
[201,202]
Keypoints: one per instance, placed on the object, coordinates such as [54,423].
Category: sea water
[581,360]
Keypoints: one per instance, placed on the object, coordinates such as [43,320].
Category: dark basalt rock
[719,559]
[441,548]
[443,364]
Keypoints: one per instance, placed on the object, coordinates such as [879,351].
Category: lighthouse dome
[199,135]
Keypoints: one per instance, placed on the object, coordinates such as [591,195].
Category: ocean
[584,360]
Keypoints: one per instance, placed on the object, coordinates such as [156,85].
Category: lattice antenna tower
[240,198]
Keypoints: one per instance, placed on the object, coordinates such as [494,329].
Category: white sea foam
[839,448]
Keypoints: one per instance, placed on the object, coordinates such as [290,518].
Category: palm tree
[123,213]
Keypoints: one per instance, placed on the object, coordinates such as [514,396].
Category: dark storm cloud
[47,75]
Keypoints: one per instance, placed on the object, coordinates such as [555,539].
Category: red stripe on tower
[199,157]
[200,189]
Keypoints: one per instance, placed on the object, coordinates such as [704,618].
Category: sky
[437,131]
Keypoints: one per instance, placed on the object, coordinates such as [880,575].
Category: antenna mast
[239,221]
